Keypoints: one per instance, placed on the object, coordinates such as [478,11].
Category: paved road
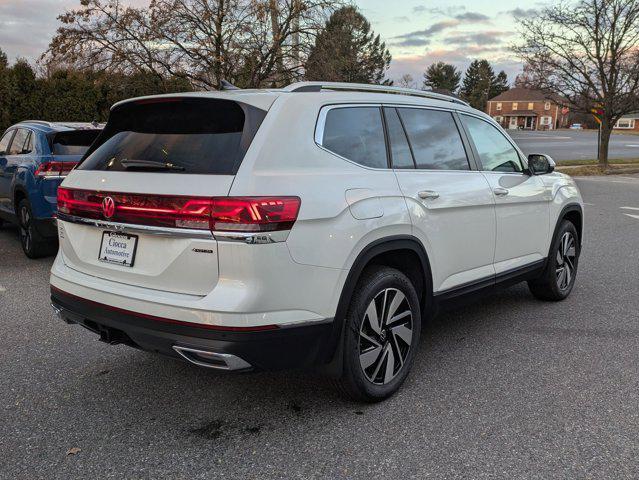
[574,144]
[510,387]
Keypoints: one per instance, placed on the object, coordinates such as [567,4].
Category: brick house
[628,123]
[522,108]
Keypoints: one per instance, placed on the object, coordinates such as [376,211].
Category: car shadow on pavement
[129,386]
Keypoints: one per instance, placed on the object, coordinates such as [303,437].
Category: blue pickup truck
[35,156]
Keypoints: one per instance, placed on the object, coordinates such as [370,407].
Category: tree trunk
[218,42]
[604,143]
[277,41]
[295,39]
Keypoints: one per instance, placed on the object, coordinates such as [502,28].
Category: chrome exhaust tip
[57,311]
[205,358]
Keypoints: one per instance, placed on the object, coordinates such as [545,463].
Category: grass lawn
[621,161]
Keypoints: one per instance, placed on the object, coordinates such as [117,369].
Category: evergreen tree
[348,51]
[500,85]
[480,84]
[4,91]
[442,76]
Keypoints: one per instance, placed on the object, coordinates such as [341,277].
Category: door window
[357,134]
[495,151]
[19,140]
[401,155]
[435,139]
[4,142]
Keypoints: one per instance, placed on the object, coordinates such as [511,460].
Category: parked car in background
[35,156]
[314,225]
[576,126]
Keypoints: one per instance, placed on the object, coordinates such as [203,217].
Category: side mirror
[540,164]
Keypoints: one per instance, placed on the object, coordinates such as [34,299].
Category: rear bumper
[230,348]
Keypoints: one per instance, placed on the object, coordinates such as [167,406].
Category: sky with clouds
[417,33]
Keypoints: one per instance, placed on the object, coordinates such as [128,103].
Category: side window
[401,156]
[19,140]
[434,138]
[495,151]
[356,133]
[4,142]
[28,144]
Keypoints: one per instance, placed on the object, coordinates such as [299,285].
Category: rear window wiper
[149,165]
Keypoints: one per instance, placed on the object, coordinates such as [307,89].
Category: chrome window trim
[321,121]
[320,124]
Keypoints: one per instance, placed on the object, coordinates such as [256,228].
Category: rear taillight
[55,169]
[228,214]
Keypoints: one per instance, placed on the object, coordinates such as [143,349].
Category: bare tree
[589,54]
[249,42]
[407,81]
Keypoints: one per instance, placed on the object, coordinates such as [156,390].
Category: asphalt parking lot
[510,387]
[574,144]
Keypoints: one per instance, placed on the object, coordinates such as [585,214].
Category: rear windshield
[176,135]
[73,142]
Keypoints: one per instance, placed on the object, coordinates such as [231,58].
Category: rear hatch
[67,149]
[137,208]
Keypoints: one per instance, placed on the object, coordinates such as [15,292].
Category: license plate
[118,248]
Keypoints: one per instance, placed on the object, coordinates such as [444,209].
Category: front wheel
[382,331]
[558,278]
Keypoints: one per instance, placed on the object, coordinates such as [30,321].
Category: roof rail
[362,87]
[39,122]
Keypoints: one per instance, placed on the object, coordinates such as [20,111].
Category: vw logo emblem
[108,207]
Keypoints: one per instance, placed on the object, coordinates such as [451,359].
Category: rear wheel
[558,278]
[33,245]
[382,332]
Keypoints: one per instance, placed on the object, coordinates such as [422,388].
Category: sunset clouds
[417,33]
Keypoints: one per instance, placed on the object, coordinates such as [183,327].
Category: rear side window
[435,139]
[357,134]
[20,142]
[4,142]
[73,142]
[176,135]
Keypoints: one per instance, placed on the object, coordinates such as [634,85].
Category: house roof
[634,115]
[524,95]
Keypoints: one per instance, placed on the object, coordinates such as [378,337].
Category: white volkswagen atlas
[310,226]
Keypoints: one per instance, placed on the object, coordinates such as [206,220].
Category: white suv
[310,226]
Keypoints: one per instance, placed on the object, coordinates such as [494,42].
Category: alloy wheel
[25,228]
[566,256]
[385,336]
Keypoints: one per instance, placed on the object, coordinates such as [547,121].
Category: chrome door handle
[500,191]
[428,195]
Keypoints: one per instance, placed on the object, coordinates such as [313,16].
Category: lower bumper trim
[304,346]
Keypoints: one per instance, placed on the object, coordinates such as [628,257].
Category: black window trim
[522,157]
[470,153]
[388,146]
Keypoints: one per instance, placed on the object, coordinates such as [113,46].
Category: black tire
[33,244]
[559,276]
[382,378]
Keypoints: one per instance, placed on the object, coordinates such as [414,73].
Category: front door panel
[521,206]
